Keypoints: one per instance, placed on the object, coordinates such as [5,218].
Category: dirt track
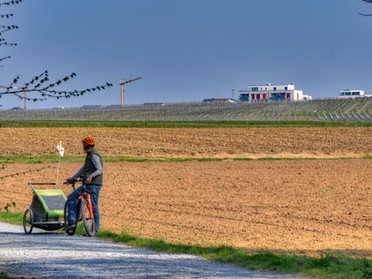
[292,205]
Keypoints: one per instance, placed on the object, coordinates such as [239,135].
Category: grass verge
[11,217]
[327,266]
[46,159]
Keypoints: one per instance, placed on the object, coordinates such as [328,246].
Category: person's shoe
[70,226]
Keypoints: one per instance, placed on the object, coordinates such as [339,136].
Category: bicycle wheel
[88,218]
[70,231]
[28,219]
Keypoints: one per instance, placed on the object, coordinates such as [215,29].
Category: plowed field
[294,205]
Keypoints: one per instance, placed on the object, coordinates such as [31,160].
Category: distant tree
[40,83]
[364,14]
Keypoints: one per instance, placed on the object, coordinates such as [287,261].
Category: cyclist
[92,175]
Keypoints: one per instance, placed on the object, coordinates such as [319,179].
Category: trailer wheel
[28,221]
[65,215]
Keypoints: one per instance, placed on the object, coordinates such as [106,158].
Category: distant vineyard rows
[330,110]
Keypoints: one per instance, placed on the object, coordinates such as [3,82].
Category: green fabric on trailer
[52,200]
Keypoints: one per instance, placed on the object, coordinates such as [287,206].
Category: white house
[271,92]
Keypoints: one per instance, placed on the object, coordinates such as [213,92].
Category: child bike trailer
[46,209]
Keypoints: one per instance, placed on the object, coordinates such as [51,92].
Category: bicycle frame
[83,203]
[85,195]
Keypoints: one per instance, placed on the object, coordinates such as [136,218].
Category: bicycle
[83,210]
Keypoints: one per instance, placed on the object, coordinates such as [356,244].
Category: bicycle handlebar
[72,182]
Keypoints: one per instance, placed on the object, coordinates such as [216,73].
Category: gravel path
[57,255]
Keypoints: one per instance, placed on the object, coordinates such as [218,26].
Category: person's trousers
[71,203]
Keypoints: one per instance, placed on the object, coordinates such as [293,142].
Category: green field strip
[49,159]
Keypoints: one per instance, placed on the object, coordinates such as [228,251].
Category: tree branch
[40,84]
[364,14]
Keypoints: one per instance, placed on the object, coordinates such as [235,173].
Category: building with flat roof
[270,92]
[219,100]
[351,93]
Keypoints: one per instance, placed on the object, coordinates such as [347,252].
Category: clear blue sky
[188,50]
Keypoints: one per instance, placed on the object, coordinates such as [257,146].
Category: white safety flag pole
[61,151]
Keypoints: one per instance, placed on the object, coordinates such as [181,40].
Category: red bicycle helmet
[88,141]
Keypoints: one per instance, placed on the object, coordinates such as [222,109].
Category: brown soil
[201,142]
[292,205]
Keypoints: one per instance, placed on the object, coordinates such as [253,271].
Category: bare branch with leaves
[39,84]
[366,14]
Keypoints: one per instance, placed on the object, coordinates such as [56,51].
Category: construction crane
[122,83]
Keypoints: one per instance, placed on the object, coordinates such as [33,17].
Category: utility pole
[122,83]
[24,98]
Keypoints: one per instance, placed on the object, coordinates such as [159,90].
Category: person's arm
[78,174]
